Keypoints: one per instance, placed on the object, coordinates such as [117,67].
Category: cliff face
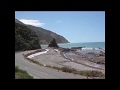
[45,36]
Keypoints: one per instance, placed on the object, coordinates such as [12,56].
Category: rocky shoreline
[98,58]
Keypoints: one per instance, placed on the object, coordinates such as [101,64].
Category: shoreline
[71,58]
[56,58]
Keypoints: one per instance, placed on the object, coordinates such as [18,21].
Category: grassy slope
[21,74]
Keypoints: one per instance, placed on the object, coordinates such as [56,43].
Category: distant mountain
[17,21]
[45,36]
[25,39]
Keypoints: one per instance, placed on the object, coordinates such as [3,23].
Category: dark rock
[101,53]
[53,43]
[76,48]
[101,62]
[73,49]
[65,49]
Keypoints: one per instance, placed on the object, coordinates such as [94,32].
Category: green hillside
[25,39]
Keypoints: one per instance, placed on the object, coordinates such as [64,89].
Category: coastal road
[41,72]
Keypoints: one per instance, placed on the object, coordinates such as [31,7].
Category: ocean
[88,46]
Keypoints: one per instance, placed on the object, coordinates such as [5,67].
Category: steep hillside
[45,36]
[17,21]
[25,39]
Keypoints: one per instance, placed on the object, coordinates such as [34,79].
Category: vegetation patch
[67,69]
[54,67]
[25,38]
[21,74]
[91,73]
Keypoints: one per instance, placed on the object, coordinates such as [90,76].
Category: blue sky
[75,26]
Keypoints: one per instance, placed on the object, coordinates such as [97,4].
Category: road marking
[44,73]
[33,76]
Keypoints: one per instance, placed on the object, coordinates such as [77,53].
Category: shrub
[67,69]
[91,73]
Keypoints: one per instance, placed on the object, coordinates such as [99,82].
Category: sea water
[87,46]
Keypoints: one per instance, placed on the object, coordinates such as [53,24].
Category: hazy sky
[75,26]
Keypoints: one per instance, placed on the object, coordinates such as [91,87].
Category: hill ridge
[45,36]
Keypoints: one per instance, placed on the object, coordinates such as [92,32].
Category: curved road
[41,72]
